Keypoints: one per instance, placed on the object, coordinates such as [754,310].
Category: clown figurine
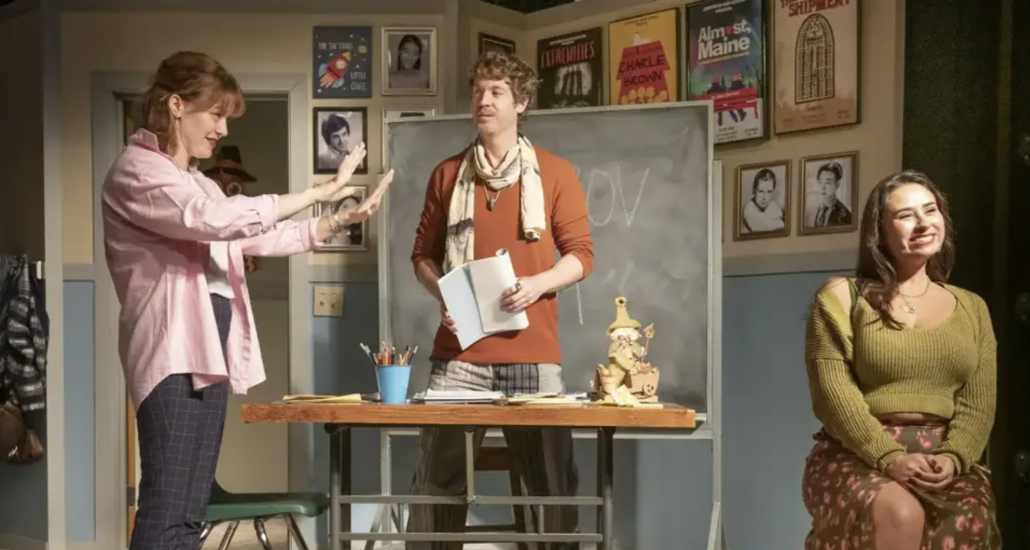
[627,371]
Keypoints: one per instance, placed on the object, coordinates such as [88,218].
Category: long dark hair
[877,276]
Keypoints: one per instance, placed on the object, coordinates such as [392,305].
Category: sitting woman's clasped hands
[926,472]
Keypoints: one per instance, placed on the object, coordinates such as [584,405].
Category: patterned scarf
[519,162]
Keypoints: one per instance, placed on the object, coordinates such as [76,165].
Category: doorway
[258,150]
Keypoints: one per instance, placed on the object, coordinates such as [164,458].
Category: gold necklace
[908,307]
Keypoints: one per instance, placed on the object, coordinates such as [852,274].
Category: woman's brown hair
[198,80]
[877,277]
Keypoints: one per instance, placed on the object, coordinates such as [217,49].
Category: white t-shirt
[218,270]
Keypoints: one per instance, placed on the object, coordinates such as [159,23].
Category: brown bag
[12,429]
[30,449]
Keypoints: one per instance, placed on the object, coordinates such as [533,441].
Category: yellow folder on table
[329,399]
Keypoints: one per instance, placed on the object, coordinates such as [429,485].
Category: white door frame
[110,417]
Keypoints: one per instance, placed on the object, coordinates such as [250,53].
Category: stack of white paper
[459,396]
[472,295]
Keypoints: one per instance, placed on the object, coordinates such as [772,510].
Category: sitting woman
[901,369]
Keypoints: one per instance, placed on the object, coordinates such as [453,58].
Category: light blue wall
[79,393]
[662,488]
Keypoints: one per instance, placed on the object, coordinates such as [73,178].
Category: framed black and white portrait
[491,43]
[762,201]
[352,237]
[409,61]
[337,131]
[829,194]
[398,113]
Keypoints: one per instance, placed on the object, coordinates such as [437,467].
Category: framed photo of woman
[409,61]
[352,237]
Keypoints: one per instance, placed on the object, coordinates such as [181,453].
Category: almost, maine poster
[726,64]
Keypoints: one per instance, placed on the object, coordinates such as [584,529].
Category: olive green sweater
[859,368]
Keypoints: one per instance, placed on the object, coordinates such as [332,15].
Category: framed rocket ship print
[342,59]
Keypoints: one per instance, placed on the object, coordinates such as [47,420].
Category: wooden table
[340,418]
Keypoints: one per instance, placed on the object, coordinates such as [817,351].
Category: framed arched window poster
[815,64]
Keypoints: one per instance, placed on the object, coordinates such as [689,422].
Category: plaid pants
[542,457]
[180,434]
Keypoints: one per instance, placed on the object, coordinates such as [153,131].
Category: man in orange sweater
[502,192]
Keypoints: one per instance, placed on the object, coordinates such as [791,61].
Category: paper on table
[490,278]
[472,295]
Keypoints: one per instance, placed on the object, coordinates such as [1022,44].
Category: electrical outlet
[328,301]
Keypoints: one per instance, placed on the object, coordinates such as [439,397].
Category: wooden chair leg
[518,510]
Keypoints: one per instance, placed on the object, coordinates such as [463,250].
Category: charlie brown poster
[643,57]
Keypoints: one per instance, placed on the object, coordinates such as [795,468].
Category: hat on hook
[231,162]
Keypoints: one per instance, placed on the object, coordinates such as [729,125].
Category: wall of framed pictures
[788,96]
[772,105]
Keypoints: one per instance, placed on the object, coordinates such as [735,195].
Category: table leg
[335,486]
[339,485]
[606,514]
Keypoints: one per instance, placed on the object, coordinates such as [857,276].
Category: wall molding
[798,262]
[12,542]
[344,273]
[79,272]
[736,266]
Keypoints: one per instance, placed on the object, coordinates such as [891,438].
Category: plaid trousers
[180,434]
[542,457]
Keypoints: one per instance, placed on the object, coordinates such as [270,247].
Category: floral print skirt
[839,489]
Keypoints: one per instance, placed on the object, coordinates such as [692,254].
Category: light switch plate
[328,301]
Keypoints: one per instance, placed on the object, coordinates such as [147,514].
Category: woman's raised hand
[337,189]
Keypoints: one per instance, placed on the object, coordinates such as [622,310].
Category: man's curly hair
[501,66]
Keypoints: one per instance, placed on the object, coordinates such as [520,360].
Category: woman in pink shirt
[174,245]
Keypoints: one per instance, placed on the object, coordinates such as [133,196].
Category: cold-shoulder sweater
[859,368]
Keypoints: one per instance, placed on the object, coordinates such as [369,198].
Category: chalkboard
[647,175]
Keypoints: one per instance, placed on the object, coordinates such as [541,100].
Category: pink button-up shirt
[158,223]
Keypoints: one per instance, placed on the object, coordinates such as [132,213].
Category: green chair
[232,508]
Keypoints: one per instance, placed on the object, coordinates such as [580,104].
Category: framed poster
[571,69]
[342,59]
[726,64]
[762,200]
[352,237]
[829,198]
[337,131]
[491,43]
[397,113]
[643,58]
[815,64]
[409,61]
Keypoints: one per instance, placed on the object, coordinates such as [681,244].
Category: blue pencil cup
[393,383]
